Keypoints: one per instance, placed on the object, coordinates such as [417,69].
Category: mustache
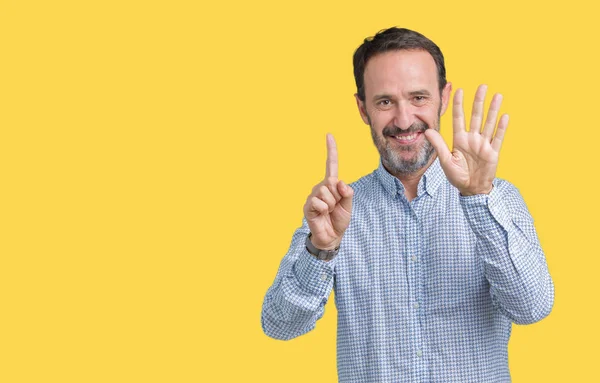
[415,127]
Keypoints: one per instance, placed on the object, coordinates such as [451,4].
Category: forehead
[400,71]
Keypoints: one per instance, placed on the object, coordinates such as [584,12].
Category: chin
[407,165]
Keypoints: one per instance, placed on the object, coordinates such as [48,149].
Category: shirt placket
[413,250]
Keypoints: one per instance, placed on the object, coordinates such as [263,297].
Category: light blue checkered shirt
[425,290]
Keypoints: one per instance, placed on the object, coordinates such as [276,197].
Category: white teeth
[407,138]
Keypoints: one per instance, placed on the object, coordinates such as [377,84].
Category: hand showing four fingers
[472,163]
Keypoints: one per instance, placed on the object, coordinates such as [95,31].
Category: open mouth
[407,138]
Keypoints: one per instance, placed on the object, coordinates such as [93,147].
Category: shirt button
[323,277]
[419,353]
[414,258]
[416,305]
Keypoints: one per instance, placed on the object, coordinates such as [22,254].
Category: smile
[407,139]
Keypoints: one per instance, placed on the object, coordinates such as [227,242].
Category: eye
[385,102]
[419,99]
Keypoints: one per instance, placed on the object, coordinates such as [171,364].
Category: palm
[472,159]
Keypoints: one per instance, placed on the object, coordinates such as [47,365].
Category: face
[402,99]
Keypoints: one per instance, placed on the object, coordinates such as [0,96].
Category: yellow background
[155,157]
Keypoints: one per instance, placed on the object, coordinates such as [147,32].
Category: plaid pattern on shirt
[426,290]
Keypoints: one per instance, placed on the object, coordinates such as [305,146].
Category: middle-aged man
[431,257]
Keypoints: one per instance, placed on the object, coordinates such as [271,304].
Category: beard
[390,156]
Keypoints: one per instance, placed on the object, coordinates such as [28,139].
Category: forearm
[297,298]
[515,265]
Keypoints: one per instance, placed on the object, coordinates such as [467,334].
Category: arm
[297,298]
[515,266]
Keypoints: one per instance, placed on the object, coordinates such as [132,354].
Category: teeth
[407,138]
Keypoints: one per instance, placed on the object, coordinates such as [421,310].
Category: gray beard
[396,164]
[391,158]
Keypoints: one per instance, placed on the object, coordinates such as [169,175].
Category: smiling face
[402,99]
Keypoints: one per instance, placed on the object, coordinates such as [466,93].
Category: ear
[446,97]
[361,109]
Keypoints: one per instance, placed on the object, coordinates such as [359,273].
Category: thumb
[347,193]
[437,141]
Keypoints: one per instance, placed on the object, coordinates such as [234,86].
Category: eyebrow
[420,92]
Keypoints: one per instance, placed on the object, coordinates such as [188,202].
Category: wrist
[331,245]
[468,193]
[324,254]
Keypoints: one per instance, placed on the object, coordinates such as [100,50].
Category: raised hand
[329,207]
[472,163]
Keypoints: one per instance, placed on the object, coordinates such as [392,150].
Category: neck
[410,181]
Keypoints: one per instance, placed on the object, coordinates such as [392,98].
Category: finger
[492,116]
[315,207]
[458,115]
[437,141]
[332,158]
[347,194]
[477,113]
[499,137]
[331,184]
[324,194]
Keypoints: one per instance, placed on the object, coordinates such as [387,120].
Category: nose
[403,117]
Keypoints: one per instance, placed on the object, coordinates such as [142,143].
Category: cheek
[380,119]
[428,116]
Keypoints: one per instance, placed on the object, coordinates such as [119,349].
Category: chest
[398,254]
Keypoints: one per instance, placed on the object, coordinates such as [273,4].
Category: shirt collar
[430,182]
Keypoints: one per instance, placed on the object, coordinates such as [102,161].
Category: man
[431,257]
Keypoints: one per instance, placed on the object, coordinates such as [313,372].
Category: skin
[402,94]
[329,207]
[402,97]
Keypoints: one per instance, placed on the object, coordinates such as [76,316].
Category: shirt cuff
[315,275]
[485,212]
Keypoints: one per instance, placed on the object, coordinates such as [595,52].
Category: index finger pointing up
[331,169]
